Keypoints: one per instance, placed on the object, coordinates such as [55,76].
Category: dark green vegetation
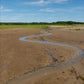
[9,25]
[43,23]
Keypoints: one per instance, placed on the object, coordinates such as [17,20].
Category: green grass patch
[23,26]
[33,26]
[77,29]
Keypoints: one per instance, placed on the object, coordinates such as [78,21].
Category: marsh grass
[34,26]
[23,26]
[77,29]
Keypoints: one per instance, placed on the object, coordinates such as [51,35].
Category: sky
[41,10]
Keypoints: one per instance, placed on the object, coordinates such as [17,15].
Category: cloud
[60,1]
[35,3]
[4,10]
[62,9]
[47,10]
[17,17]
[7,10]
[25,14]
[78,8]
[54,10]
[43,2]
[1,7]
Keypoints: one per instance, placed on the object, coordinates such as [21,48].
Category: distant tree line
[67,22]
[42,23]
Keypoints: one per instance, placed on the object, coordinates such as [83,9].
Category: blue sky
[41,10]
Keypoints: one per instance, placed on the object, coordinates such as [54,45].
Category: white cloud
[17,17]
[60,1]
[47,10]
[54,10]
[62,9]
[24,14]
[43,2]
[4,10]
[35,3]
[1,7]
[7,10]
[78,8]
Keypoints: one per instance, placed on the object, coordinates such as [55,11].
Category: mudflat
[18,57]
[75,73]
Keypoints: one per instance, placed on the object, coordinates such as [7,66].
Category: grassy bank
[23,26]
[32,26]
